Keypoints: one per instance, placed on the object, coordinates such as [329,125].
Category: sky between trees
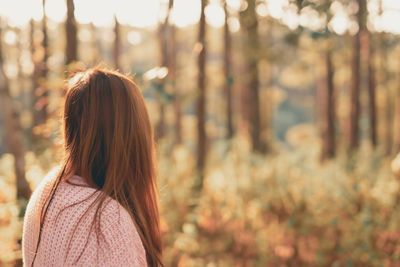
[148,13]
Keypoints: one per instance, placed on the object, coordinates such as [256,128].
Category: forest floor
[283,209]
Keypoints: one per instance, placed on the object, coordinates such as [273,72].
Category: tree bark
[172,77]
[164,62]
[117,43]
[371,91]
[228,74]
[250,25]
[40,89]
[388,115]
[201,99]
[355,80]
[328,110]
[162,34]
[397,116]
[13,132]
[71,34]
[36,73]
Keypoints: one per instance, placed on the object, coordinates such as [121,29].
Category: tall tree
[385,45]
[228,74]
[117,43]
[201,96]
[39,57]
[36,70]
[13,131]
[326,88]
[172,77]
[249,22]
[371,90]
[71,34]
[397,116]
[164,62]
[328,109]
[388,111]
[355,78]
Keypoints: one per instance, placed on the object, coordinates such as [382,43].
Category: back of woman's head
[109,142]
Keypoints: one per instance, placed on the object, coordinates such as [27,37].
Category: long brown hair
[109,142]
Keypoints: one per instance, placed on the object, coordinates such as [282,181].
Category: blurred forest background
[277,122]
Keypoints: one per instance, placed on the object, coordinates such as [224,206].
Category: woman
[100,207]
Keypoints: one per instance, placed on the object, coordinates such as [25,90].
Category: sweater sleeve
[125,245]
[119,244]
[68,237]
[31,225]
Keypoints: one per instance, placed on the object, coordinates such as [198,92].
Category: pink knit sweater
[121,245]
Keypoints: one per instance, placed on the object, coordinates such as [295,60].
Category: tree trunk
[162,34]
[388,144]
[328,110]
[201,99]
[371,90]
[397,116]
[177,96]
[250,25]
[160,128]
[163,46]
[71,32]
[13,133]
[389,124]
[228,74]
[355,80]
[40,89]
[172,77]
[117,43]
[35,75]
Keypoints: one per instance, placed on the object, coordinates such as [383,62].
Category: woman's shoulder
[42,190]
[116,224]
[76,197]
[73,191]
[73,205]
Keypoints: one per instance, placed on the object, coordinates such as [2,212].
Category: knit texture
[120,244]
